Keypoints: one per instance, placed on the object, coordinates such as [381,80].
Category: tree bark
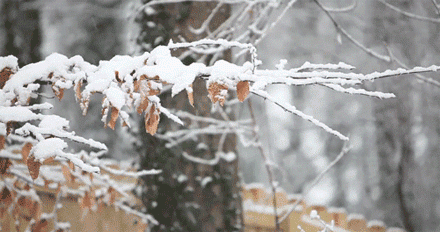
[394,121]
[178,198]
[21,34]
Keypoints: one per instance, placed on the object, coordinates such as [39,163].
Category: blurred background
[392,172]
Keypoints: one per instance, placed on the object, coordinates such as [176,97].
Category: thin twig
[343,9]
[437,10]
[345,150]
[349,37]
[410,15]
[418,76]
[267,165]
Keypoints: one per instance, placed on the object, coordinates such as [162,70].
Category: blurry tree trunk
[394,121]
[20,31]
[187,196]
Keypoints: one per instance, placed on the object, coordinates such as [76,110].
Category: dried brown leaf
[10,127]
[215,92]
[141,227]
[28,208]
[6,197]
[152,91]
[59,92]
[33,167]
[113,117]
[152,120]
[86,201]
[47,182]
[40,226]
[242,90]
[112,193]
[78,90]
[71,165]
[190,97]
[136,85]
[5,163]
[36,210]
[25,151]
[5,74]
[2,142]
[66,173]
[49,160]
[84,105]
[117,77]
[143,106]
[124,124]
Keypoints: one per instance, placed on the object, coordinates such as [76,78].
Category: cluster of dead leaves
[24,207]
[217,92]
[145,86]
[32,164]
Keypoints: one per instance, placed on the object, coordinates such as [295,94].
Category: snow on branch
[292,109]
[134,83]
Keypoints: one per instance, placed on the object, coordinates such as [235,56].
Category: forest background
[391,173]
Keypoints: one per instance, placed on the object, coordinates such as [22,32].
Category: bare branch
[345,150]
[348,8]
[267,165]
[349,37]
[410,15]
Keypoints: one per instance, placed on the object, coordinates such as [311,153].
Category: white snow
[54,122]
[229,157]
[17,114]
[115,96]
[2,128]
[376,223]
[8,62]
[206,180]
[48,148]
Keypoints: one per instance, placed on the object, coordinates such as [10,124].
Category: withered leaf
[78,90]
[190,97]
[112,193]
[5,74]
[5,163]
[152,91]
[33,167]
[152,120]
[117,77]
[2,142]
[88,201]
[10,127]
[136,85]
[59,92]
[113,117]
[143,106]
[215,91]
[6,196]
[40,226]
[49,160]
[25,151]
[242,90]
[66,173]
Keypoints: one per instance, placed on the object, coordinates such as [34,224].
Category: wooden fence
[257,205]
[259,214]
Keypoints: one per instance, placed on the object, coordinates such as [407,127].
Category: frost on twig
[133,82]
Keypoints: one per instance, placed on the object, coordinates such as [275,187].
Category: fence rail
[257,204]
[259,214]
